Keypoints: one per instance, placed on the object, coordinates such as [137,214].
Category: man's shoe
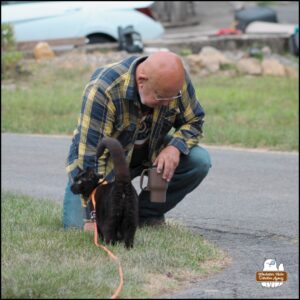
[158,221]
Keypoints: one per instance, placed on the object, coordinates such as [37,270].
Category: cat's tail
[116,150]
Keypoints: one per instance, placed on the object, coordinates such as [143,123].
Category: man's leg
[73,212]
[190,172]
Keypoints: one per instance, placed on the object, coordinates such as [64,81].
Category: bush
[185,51]
[9,63]
[9,56]
[7,38]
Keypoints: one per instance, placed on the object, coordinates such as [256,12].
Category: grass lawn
[39,259]
[258,112]
[244,111]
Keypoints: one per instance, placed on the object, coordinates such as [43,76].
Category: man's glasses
[170,98]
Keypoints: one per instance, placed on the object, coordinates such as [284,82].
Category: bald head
[165,72]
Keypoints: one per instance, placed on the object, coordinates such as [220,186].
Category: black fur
[85,182]
[116,202]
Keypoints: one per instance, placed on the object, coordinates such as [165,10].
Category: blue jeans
[190,172]
[73,212]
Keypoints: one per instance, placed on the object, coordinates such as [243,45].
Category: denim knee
[199,160]
[73,213]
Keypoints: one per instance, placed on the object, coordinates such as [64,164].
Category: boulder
[212,59]
[209,59]
[212,54]
[273,67]
[249,66]
[291,72]
[43,51]
[195,63]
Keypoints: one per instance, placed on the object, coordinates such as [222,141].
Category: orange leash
[114,257]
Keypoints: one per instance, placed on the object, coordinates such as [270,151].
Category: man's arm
[96,121]
[188,126]
[189,121]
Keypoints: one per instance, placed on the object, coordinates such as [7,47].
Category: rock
[212,59]
[213,55]
[208,58]
[195,63]
[272,67]
[211,64]
[291,72]
[43,51]
[249,66]
[235,56]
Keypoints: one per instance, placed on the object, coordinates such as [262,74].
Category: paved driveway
[248,205]
[209,13]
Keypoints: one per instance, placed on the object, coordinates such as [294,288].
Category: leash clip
[93,215]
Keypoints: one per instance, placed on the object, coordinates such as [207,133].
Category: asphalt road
[248,205]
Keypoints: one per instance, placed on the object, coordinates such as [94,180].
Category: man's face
[150,96]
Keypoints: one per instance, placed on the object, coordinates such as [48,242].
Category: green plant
[228,67]
[10,57]
[9,63]
[7,38]
[185,51]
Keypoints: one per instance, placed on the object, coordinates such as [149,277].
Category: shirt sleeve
[96,121]
[189,121]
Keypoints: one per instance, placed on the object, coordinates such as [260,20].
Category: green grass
[243,111]
[39,259]
[48,102]
[250,111]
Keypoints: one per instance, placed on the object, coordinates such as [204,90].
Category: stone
[212,59]
[291,72]
[195,63]
[212,54]
[273,67]
[43,51]
[250,66]
[209,59]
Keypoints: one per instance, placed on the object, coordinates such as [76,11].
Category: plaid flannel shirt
[111,107]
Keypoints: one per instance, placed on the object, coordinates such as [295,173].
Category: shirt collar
[130,88]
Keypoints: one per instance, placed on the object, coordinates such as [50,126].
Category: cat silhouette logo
[271,276]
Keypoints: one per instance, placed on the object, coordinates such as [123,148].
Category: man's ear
[142,78]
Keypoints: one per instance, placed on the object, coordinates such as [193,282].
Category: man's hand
[167,160]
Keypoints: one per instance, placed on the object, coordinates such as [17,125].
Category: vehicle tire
[100,39]
[294,43]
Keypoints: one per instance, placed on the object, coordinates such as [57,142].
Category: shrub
[10,57]
[9,63]
[185,51]
[7,38]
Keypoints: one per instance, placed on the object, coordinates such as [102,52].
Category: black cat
[116,202]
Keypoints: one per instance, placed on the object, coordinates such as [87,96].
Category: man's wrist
[174,148]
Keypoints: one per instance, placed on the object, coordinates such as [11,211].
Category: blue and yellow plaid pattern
[111,107]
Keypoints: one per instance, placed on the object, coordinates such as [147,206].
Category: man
[138,101]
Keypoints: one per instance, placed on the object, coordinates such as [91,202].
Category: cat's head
[85,182]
